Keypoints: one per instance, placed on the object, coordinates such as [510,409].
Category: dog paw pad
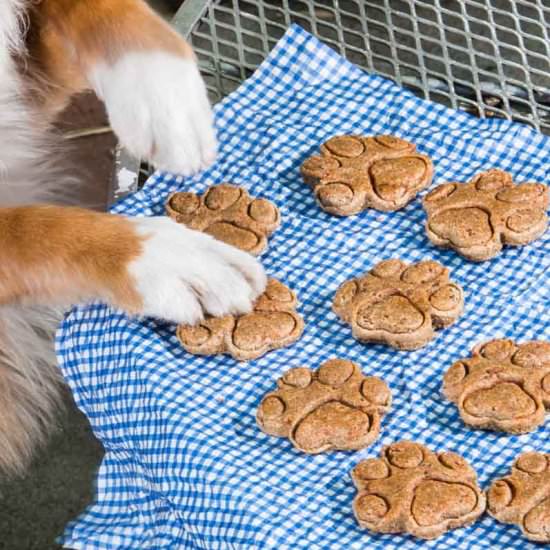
[523,497]
[229,214]
[354,173]
[411,489]
[399,304]
[333,408]
[502,386]
[272,324]
[477,218]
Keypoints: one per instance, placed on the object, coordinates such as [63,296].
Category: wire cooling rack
[488,57]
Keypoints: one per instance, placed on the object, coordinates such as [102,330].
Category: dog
[52,255]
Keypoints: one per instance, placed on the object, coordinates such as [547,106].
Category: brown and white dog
[54,255]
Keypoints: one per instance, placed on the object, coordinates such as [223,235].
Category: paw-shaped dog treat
[229,214]
[411,489]
[523,497]
[502,386]
[333,408]
[477,218]
[354,173]
[272,324]
[399,304]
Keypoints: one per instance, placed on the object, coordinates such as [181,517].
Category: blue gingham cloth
[185,465]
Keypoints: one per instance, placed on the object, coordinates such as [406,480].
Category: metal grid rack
[488,57]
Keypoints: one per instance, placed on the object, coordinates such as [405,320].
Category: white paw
[182,274]
[158,107]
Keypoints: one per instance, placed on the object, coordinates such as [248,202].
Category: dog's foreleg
[145,266]
[139,66]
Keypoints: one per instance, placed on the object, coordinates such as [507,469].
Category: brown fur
[56,255]
[87,255]
[64,38]
[67,36]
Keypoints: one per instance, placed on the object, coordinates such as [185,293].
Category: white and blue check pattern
[185,465]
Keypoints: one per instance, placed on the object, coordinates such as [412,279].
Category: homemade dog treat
[354,173]
[477,218]
[523,497]
[411,489]
[502,386]
[272,324]
[229,214]
[399,304]
[333,408]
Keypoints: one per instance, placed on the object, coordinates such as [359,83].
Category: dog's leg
[157,104]
[146,266]
[142,69]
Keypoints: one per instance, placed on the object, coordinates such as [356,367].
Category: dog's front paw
[158,107]
[182,275]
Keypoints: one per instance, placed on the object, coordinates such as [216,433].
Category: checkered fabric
[185,464]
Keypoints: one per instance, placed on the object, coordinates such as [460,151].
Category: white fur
[183,275]
[157,105]
[11,19]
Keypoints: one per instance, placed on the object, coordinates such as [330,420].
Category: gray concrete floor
[35,509]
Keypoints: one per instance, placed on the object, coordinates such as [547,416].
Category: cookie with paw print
[479,217]
[229,214]
[273,323]
[523,497]
[503,386]
[411,489]
[354,173]
[335,407]
[399,304]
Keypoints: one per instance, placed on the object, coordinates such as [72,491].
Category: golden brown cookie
[411,489]
[399,304]
[503,386]
[354,173]
[477,218]
[272,324]
[333,408]
[229,214]
[523,497]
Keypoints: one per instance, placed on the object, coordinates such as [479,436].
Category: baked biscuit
[503,386]
[272,324]
[477,218]
[229,214]
[411,489]
[333,408]
[523,497]
[399,304]
[354,173]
